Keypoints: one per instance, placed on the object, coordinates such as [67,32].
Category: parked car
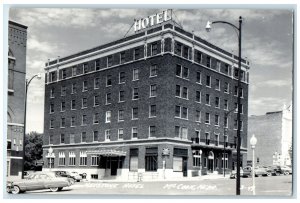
[244,172]
[275,170]
[262,171]
[65,174]
[76,176]
[286,170]
[38,181]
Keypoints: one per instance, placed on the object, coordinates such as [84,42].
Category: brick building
[147,103]
[17,39]
[274,137]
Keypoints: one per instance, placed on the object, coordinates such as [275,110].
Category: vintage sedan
[244,172]
[38,181]
[76,176]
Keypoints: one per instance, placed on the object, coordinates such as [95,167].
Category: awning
[107,152]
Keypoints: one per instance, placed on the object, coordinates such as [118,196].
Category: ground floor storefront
[158,159]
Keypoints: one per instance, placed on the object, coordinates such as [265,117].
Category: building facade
[17,39]
[274,137]
[156,103]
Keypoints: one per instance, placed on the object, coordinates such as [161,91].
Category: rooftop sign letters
[153,20]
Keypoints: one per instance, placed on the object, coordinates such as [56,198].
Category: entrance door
[210,165]
[114,167]
[184,166]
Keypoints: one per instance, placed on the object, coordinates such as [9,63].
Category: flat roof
[17,24]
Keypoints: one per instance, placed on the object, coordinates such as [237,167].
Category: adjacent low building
[159,103]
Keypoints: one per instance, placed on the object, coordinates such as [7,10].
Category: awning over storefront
[107,152]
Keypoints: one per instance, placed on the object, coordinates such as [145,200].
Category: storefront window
[177,164]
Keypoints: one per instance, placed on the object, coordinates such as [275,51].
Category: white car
[76,176]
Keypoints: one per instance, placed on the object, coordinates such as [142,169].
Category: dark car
[64,174]
[275,170]
[286,170]
[262,171]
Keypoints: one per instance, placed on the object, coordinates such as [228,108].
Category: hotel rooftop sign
[152,20]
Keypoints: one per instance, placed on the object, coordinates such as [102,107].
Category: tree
[33,150]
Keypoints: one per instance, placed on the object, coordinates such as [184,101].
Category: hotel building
[160,103]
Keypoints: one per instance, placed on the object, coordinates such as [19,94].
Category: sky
[267,42]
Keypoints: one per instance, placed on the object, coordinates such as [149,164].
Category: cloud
[41,46]
[277,83]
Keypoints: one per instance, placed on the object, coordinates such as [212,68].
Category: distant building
[147,103]
[274,137]
[17,39]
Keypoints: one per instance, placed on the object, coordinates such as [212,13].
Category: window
[184,113]
[95,136]
[51,108]
[64,74]
[217,102]
[208,81]
[136,54]
[153,70]
[96,100]
[178,49]
[63,122]
[120,133]
[198,57]
[184,92]
[107,135]
[52,93]
[51,139]
[196,158]
[235,124]
[225,104]
[73,88]
[178,91]
[84,103]
[236,73]
[135,93]
[153,49]
[73,104]
[96,118]
[181,92]
[198,77]
[97,64]
[225,121]
[83,158]
[121,115]
[83,137]
[207,118]
[63,90]
[134,132]
[121,96]
[181,132]
[207,138]
[96,83]
[108,98]
[51,124]
[85,68]
[235,107]
[63,106]
[185,53]
[152,131]
[52,76]
[108,80]
[153,91]
[83,120]
[152,111]
[207,99]
[61,159]
[109,61]
[182,72]
[226,70]
[74,70]
[224,160]
[121,77]
[218,66]
[135,74]
[177,163]
[241,93]
[217,84]
[208,61]
[72,159]
[235,91]
[135,114]
[151,159]
[217,119]
[108,117]
[84,86]
[226,87]
[198,96]
[72,138]
[72,121]
[198,116]
[122,57]
[177,111]
[94,161]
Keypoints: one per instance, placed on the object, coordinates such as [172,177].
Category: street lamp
[38,76]
[253,142]
[239,29]
[50,151]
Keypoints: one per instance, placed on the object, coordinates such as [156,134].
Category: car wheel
[269,174]
[16,190]
[54,189]
[286,173]
[60,188]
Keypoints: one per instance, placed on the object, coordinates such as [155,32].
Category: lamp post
[27,82]
[200,162]
[50,151]
[239,29]
[253,142]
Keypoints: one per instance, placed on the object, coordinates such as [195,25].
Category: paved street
[275,185]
